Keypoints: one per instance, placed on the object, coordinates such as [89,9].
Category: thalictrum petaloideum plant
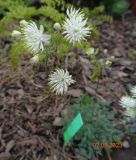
[72,31]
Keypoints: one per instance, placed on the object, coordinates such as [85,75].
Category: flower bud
[90,51]
[105,51]
[108,63]
[126,144]
[23,23]
[35,59]
[16,34]
[57,26]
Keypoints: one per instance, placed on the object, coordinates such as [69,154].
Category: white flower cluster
[129,103]
[74,30]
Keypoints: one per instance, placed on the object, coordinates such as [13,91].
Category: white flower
[23,23]
[74,26]
[60,80]
[35,59]
[127,102]
[34,38]
[16,34]
[57,26]
[133,91]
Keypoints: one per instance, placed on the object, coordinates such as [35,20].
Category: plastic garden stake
[73,128]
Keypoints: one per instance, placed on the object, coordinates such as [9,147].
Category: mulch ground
[28,109]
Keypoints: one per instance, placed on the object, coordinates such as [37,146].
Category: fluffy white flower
[74,26]
[60,80]
[34,37]
[127,102]
[133,91]
[16,34]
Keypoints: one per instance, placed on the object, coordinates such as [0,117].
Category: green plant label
[73,128]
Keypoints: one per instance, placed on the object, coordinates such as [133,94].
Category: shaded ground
[28,109]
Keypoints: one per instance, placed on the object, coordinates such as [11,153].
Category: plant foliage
[98,127]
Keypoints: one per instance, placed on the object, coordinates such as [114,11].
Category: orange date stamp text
[115,145]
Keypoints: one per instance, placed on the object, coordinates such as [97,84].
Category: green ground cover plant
[99,127]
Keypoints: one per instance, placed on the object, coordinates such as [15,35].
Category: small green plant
[117,7]
[98,127]
[99,66]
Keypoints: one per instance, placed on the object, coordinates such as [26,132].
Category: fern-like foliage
[98,127]
[15,52]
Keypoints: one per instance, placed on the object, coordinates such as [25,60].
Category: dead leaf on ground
[10,145]
[75,92]
[57,122]
[90,91]
[5,155]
